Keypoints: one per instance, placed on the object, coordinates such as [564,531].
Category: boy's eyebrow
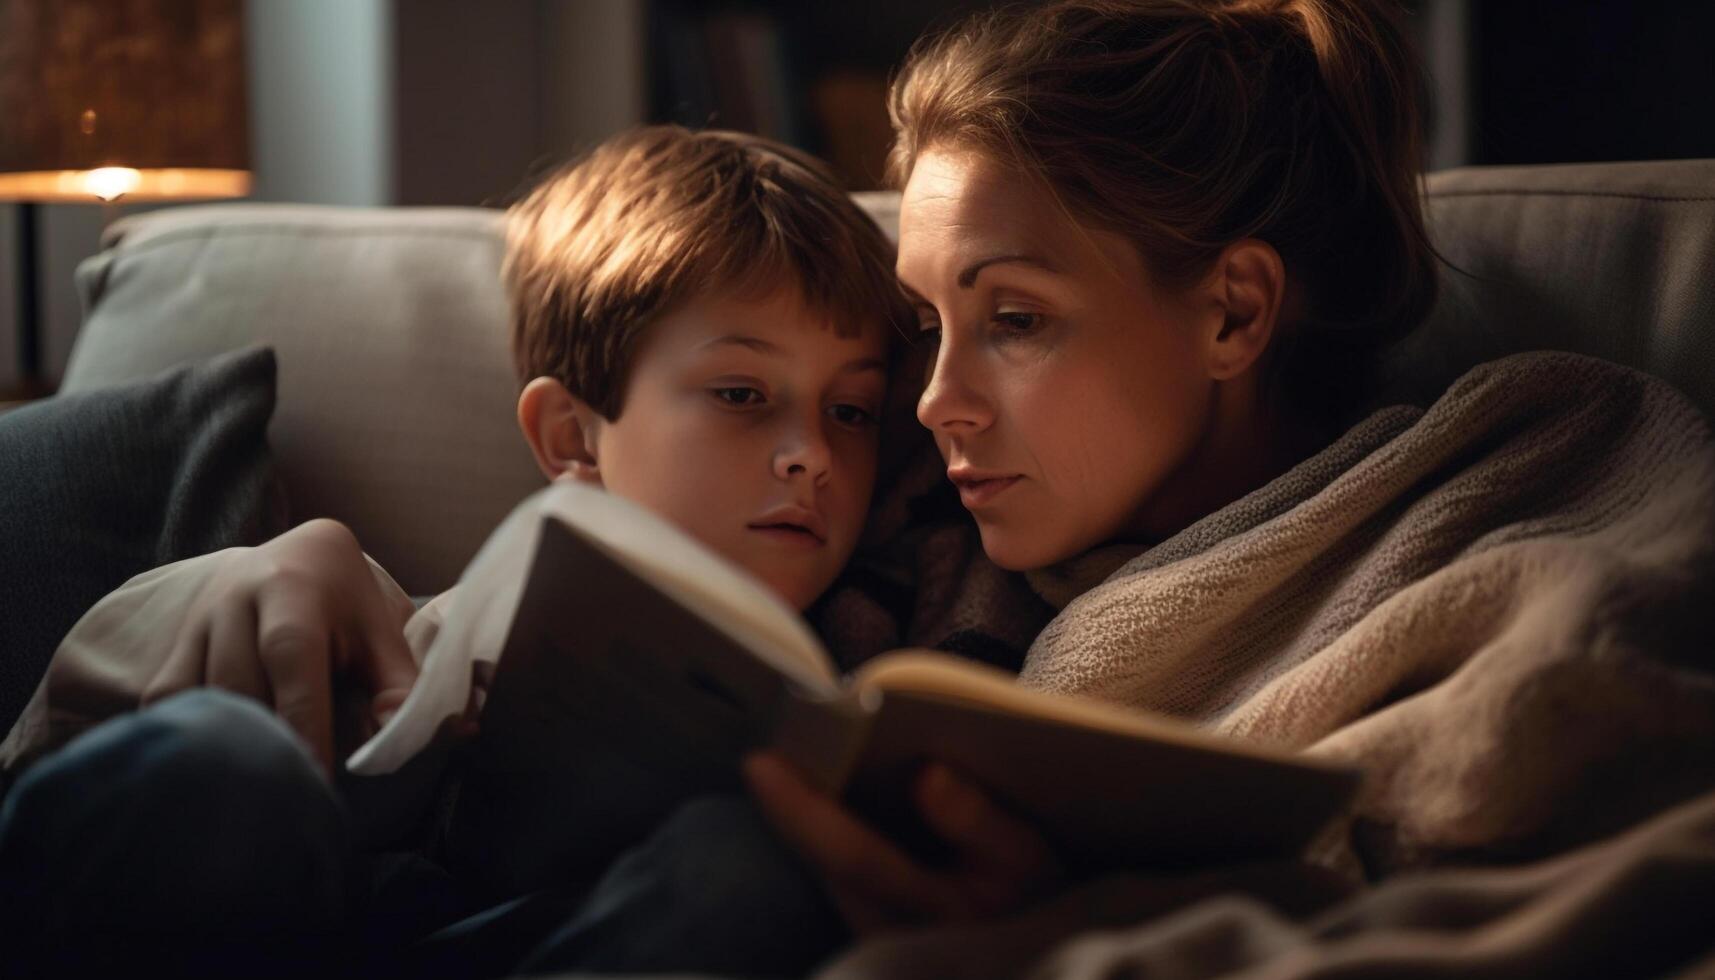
[864,364]
[742,340]
[762,346]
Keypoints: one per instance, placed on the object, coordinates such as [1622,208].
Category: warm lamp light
[111,183]
[103,101]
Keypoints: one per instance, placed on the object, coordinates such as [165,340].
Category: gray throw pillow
[100,485]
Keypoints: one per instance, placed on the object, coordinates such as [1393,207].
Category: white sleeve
[102,666]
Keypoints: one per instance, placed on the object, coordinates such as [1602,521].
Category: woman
[1158,246]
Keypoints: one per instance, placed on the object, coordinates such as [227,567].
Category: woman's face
[1069,395]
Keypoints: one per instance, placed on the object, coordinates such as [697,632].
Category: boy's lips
[793,520]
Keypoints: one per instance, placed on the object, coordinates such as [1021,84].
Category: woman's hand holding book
[999,862]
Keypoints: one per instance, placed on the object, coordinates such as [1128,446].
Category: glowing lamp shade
[140,100]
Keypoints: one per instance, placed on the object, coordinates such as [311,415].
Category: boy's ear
[1247,285]
[562,430]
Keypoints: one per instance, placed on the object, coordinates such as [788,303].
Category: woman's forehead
[953,189]
[961,210]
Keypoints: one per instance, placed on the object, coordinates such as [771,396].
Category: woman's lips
[976,493]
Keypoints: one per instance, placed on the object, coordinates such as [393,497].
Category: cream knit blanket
[1501,608]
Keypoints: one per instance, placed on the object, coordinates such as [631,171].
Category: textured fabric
[711,890]
[99,485]
[396,389]
[1610,260]
[196,836]
[1499,608]
[1636,905]
[110,654]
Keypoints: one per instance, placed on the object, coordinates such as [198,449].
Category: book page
[698,579]
[611,704]
[487,598]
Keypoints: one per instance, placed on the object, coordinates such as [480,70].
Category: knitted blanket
[1500,608]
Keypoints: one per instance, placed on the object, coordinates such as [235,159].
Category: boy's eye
[738,395]
[928,323]
[852,415]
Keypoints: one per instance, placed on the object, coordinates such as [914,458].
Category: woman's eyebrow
[968,278]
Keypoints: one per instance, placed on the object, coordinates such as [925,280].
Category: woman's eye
[852,415]
[738,395]
[1016,322]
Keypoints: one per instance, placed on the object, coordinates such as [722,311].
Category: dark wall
[1592,80]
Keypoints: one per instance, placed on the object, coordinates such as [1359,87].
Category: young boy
[704,324]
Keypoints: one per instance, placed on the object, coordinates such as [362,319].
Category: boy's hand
[278,621]
[1001,864]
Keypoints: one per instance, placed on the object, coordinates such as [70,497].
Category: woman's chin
[1016,550]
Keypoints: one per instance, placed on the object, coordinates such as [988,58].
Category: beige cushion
[395,387]
[396,390]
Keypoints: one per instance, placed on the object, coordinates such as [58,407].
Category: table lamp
[101,101]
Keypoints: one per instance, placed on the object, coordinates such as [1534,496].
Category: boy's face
[752,426]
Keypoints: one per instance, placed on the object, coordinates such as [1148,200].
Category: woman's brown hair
[1188,125]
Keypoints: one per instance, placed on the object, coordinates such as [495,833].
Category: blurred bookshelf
[811,75]
[1521,82]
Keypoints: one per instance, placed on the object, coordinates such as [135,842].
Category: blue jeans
[197,835]
[192,835]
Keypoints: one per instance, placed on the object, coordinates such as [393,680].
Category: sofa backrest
[1613,260]
[396,392]
[396,389]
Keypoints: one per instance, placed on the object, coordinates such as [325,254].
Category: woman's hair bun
[1188,125]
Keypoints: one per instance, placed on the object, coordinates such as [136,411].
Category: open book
[637,668]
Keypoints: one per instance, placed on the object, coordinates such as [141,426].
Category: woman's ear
[563,431]
[1248,285]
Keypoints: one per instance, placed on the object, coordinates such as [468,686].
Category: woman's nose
[804,451]
[951,401]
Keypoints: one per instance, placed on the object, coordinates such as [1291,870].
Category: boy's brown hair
[660,215]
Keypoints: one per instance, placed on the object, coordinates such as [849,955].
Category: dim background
[451,102]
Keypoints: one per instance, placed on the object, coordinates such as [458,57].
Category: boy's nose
[804,453]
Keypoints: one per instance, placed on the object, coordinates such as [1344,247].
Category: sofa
[394,411]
